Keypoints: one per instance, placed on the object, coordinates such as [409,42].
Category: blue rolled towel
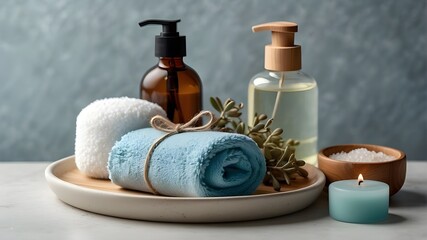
[192,164]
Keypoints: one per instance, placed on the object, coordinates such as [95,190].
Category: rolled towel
[196,164]
[102,123]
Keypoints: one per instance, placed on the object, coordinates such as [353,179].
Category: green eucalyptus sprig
[279,154]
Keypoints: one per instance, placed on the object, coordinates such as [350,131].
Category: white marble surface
[30,210]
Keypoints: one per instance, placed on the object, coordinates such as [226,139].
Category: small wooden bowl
[391,172]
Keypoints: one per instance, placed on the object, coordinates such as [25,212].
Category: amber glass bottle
[175,86]
[172,84]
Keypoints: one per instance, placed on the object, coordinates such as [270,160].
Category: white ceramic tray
[103,197]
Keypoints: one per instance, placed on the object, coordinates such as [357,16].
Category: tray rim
[50,174]
[58,186]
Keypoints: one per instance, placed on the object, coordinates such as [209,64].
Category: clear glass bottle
[296,107]
[283,92]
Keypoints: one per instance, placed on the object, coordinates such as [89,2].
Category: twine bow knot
[163,124]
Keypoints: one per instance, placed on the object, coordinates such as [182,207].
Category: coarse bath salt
[362,155]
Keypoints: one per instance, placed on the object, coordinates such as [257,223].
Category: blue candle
[358,201]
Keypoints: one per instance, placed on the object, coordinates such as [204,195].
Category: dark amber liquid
[175,87]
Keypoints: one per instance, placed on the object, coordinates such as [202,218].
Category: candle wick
[361,181]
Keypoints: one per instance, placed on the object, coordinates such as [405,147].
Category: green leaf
[292,142]
[291,157]
[215,104]
[218,101]
[259,141]
[269,122]
[267,156]
[234,124]
[221,123]
[275,138]
[276,153]
[229,106]
[300,163]
[262,117]
[240,128]
[258,127]
[287,178]
[276,184]
[255,119]
[277,132]
[302,172]
[234,113]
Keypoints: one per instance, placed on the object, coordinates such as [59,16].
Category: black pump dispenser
[168,43]
[171,83]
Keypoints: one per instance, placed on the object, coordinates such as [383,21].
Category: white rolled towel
[102,123]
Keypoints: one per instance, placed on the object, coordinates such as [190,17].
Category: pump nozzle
[168,43]
[169,26]
[282,54]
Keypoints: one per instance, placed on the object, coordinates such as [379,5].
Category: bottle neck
[277,74]
[171,62]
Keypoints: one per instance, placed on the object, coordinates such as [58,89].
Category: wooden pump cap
[281,54]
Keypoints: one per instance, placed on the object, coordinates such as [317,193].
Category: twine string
[163,124]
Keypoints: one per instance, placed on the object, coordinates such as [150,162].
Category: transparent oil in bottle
[290,98]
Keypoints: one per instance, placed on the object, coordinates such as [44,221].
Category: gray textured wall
[369,58]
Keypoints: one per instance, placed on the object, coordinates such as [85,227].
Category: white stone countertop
[30,210]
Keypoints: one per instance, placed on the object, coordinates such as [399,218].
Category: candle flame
[360,179]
